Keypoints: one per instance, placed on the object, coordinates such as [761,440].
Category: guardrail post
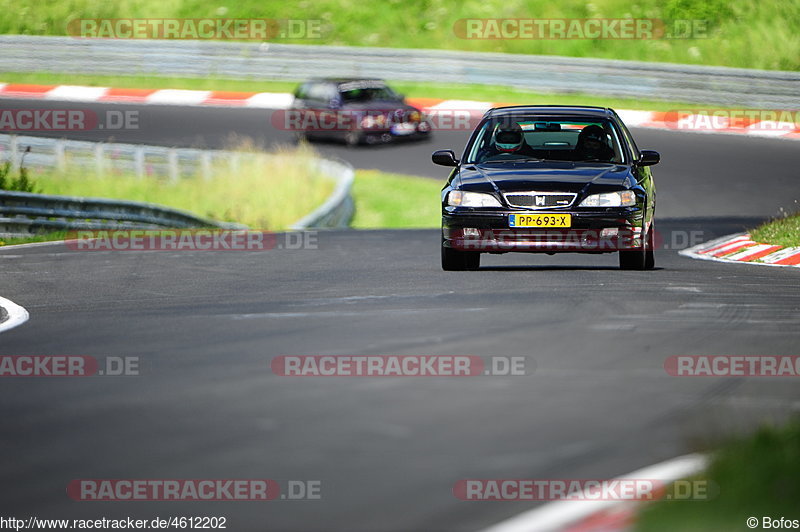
[14,152]
[138,162]
[234,163]
[172,163]
[59,150]
[99,159]
[205,165]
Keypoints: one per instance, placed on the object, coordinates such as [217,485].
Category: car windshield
[368,94]
[521,138]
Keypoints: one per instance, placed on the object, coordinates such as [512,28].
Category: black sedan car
[549,179]
[354,110]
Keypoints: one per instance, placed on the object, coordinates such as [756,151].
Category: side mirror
[444,158]
[649,157]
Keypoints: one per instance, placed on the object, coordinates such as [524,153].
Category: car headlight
[625,198]
[369,121]
[460,198]
[373,120]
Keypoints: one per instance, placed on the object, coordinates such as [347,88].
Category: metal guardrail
[24,213]
[267,61]
[108,158]
[338,209]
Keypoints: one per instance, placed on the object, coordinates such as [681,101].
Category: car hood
[544,176]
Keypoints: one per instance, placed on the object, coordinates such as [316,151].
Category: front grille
[540,200]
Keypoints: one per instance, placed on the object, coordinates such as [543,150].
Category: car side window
[629,140]
[481,142]
[319,92]
[302,92]
[618,142]
[331,93]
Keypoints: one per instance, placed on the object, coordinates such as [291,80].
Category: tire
[454,260]
[639,259]
[352,139]
[650,249]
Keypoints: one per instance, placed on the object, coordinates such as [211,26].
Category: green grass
[383,200]
[746,33]
[781,232]
[489,93]
[268,194]
[394,201]
[49,237]
[756,476]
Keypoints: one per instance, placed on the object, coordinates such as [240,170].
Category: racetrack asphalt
[388,451]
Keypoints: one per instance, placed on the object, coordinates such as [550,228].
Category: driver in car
[508,139]
[509,143]
[592,145]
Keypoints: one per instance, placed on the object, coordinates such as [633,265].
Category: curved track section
[701,174]
[205,326]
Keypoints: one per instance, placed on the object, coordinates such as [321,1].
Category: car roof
[552,110]
[344,80]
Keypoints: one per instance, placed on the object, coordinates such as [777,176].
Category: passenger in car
[592,146]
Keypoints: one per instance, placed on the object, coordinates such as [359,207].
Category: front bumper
[404,131]
[603,231]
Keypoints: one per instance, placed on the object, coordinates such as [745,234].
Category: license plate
[540,220]
[403,129]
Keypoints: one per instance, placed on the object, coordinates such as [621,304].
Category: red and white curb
[600,515]
[741,248]
[15,314]
[704,122]
[77,93]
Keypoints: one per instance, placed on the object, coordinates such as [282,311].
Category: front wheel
[454,260]
[639,259]
[352,139]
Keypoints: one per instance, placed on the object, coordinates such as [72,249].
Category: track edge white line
[17,315]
